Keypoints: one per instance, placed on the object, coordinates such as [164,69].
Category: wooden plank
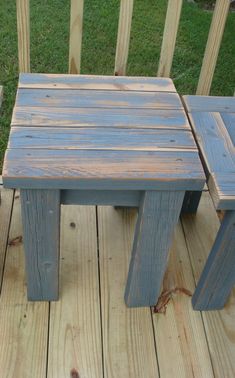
[99,99]
[210,104]
[191,202]
[75,169]
[222,190]
[157,218]
[75,331]
[23,30]
[130,198]
[169,37]
[97,82]
[123,37]
[212,47]
[218,276]
[101,138]
[41,224]
[229,122]
[75,42]
[6,201]
[95,117]
[200,232]
[179,331]
[1,95]
[23,325]
[128,342]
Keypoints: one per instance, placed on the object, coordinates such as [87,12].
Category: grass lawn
[50,35]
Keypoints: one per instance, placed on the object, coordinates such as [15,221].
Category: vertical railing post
[23,31]
[75,43]
[123,38]
[213,46]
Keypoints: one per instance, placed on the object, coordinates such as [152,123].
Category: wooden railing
[123,39]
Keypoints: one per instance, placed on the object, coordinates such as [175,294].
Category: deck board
[127,334]
[6,198]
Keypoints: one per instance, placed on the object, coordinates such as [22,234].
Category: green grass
[50,35]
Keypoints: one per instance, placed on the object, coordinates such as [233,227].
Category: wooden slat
[213,46]
[222,190]
[75,43]
[23,30]
[67,169]
[169,37]
[123,37]
[95,117]
[200,233]
[75,329]
[1,95]
[101,138]
[179,332]
[229,121]
[23,325]
[210,104]
[128,342]
[98,99]
[96,82]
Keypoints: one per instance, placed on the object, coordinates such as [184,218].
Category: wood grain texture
[200,232]
[99,99]
[181,343]
[75,42]
[75,325]
[191,202]
[222,190]
[218,276]
[100,117]
[23,325]
[229,122]
[128,342]
[75,169]
[210,104]
[169,37]
[212,47]
[123,36]
[41,222]
[158,215]
[96,82]
[111,138]
[23,31]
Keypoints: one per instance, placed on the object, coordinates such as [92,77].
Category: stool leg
[41,226]
[218,276]
[191,202]
[158,214]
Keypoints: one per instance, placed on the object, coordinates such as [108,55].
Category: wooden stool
[100,140]
[213,121]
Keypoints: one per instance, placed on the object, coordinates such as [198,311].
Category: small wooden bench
[100,140]
[213,122]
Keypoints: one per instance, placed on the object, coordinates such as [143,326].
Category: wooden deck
[90,332]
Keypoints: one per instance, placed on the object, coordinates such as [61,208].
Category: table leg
[158,214]
[41,226]
[191,201]
[218,276]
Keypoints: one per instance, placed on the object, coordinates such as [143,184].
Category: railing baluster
[23,30]
[75,43]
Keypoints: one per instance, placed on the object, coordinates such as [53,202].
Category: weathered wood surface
[210,104]
[23,32]
[111,138]
[75,324]
[229,122]
[191,202]
[1,95]
[67,169]
[128,340]
[222,190]
[23,325]
[96,82]
[41,221]
[100,117]
[75,42]
[169,37]
[101,99]
[158,215]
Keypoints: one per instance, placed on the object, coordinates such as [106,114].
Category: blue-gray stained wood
[218,276]
[126,198]
[191,202]
[41,237]
[158,215]
[213,121]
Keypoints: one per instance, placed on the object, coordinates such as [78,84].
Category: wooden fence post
[123,38]
[23,30]
[75,43]
[169,37]
[213,46]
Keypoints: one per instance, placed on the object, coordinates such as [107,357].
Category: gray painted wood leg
[158,214]
[218,276]
[41,226]
[191,202]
